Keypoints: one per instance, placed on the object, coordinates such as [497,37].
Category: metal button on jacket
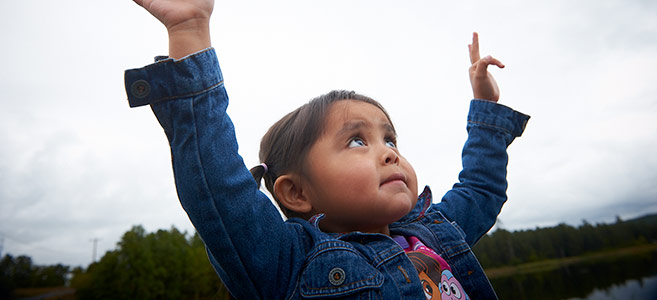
[140,88]
[336,276]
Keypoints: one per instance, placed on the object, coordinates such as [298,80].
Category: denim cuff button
[336,276]
[140,89]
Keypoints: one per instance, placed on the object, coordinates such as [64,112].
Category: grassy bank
[551,264]
[48,293]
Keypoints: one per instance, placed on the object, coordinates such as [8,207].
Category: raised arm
[476,200]
[251,248]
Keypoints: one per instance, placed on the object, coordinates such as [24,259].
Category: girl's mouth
[395,178]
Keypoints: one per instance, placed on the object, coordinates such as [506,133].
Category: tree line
[166,264]
[169,264]
[20,272]
[502,247]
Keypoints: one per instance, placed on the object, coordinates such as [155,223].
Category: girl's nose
[390,157]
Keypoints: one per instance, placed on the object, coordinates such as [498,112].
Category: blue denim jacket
[260,256]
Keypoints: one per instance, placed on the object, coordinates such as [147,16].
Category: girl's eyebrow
[387,127]
[351,126]
[354,125]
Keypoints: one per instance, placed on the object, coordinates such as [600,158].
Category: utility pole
[93,253]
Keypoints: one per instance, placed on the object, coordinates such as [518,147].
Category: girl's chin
[401,211]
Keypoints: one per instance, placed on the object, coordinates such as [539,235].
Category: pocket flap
[338,272]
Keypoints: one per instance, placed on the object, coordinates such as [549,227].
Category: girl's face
[355,174]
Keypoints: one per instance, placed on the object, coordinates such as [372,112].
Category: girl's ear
[289,192]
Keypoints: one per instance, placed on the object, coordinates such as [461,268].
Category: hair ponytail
[258,172]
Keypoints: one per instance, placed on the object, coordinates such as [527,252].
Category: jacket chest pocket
[340,272]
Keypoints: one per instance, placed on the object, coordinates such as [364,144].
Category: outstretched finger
[481,67]
[474,48]
[494,61]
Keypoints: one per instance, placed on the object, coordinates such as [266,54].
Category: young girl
[356,227]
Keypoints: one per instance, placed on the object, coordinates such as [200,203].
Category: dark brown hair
[285,146]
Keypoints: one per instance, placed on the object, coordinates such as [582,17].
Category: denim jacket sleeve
[476,200]
[221,198]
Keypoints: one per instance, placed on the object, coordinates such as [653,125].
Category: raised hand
[483,84]
[187,22]
[174,13]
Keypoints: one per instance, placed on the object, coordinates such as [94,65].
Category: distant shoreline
[57,292]
[552,264]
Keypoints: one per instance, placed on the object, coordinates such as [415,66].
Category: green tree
[19,272]
[7,284]
[160,265]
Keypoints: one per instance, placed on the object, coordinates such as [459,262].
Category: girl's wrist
[189,37]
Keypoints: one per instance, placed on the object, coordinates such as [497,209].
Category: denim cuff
[169,79]
[498,116]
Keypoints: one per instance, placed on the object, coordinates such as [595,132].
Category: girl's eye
[356,142]
[391,144]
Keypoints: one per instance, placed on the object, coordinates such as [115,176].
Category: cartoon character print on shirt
[428,269]
[450,288]
[433,270]
[428,265]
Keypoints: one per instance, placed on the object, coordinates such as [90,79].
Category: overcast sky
[76,163]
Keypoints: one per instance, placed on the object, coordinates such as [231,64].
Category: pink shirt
[435,274]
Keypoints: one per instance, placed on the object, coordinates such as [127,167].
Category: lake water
[628,277]
[643,289]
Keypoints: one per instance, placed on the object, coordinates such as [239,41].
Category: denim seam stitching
[382,260]
[316,253]
[214,86]
[350,289]
[505,130]
[458,246]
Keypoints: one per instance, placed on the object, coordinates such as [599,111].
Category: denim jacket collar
[422,206]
